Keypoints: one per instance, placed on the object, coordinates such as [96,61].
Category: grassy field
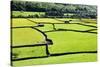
[25,14]
[23,36]
[21,22]
[66,38]
[74,58]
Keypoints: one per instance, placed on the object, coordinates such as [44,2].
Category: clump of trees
[58,8]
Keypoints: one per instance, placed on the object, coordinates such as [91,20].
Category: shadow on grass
[55,54]
[88,22]
[86,31]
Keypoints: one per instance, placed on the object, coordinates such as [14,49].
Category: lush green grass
[46,20]
[17,22]
[29,52]
[73,43]
[26,36]
[71,40]
[58,59]
[66,40]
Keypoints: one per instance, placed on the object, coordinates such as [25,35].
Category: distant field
[66,38]
[17,22]
[25,14]
[90,20]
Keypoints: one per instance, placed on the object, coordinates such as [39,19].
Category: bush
[36,16]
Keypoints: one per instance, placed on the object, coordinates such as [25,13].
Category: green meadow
[76,37]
